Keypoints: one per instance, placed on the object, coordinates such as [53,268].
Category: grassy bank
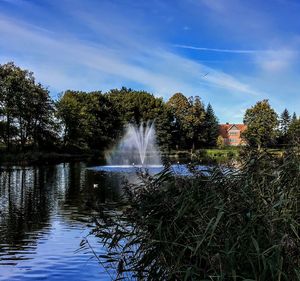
[238,225]
[209,155]
[214,155]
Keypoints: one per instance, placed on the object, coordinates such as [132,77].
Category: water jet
[137,148]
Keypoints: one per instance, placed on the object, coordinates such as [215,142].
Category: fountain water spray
[138,147]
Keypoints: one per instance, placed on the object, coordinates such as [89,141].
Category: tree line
[266,129]
[79,121]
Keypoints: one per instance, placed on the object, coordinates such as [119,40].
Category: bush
[233,225]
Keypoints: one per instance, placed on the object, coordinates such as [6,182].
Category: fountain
[137,150]
[138,147]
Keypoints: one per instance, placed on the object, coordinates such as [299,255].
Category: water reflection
[44,213]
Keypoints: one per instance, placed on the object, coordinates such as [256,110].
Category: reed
[229,225]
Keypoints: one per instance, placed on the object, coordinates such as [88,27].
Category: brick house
[231,133]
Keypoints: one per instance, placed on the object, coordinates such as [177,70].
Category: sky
[230,53]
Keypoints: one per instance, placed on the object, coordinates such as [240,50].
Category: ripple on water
[43,223]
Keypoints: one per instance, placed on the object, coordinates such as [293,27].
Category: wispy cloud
[157,69]
[107,44]
[233,51]
[267,60]
[277,61]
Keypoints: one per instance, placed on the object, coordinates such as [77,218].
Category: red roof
[224,128]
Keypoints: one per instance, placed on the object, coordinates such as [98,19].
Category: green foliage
[195,122]
[189,121]
[261,121]
[26,109]
[284,124]
[89,120]
[178,105]
[211,128]
[217,225]
[294,132]
[285,120]
[80,121]
[135,106]
[140,106]
[220,142]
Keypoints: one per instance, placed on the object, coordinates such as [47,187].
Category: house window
[232,140]
[233,133]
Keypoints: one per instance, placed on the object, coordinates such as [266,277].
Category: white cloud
[268,60]
[277,61]
[144,63]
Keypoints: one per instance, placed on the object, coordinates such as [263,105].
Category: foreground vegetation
[216,225]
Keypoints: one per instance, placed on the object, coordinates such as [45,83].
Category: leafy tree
[42,124]
[26,107]
[89,120]
[194,123]
[12,84]
[104,122]
[135,106]
[261,121]
[141,106]
[188,124]
[69,112]
[179,107]
[163,128]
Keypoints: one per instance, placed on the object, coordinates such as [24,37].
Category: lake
[45,212]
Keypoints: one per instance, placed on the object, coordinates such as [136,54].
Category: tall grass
[234,225]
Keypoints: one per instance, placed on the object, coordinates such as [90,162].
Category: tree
[285,120]
[188,121]
[104,122]
[194,123]
[178,105]
[261,121]
[294,132]
[89,120]
[69,112]
[135,106]
[13,82]
[211,127]
[220,142]
[284,123]
[140,106]
[26,107]
[42,124]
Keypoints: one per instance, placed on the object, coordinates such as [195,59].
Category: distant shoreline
[39,158]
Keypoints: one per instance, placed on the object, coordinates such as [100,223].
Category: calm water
[44,214]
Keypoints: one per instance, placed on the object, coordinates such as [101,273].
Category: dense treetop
[261,121]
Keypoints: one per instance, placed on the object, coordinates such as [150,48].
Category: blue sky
[231,53]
